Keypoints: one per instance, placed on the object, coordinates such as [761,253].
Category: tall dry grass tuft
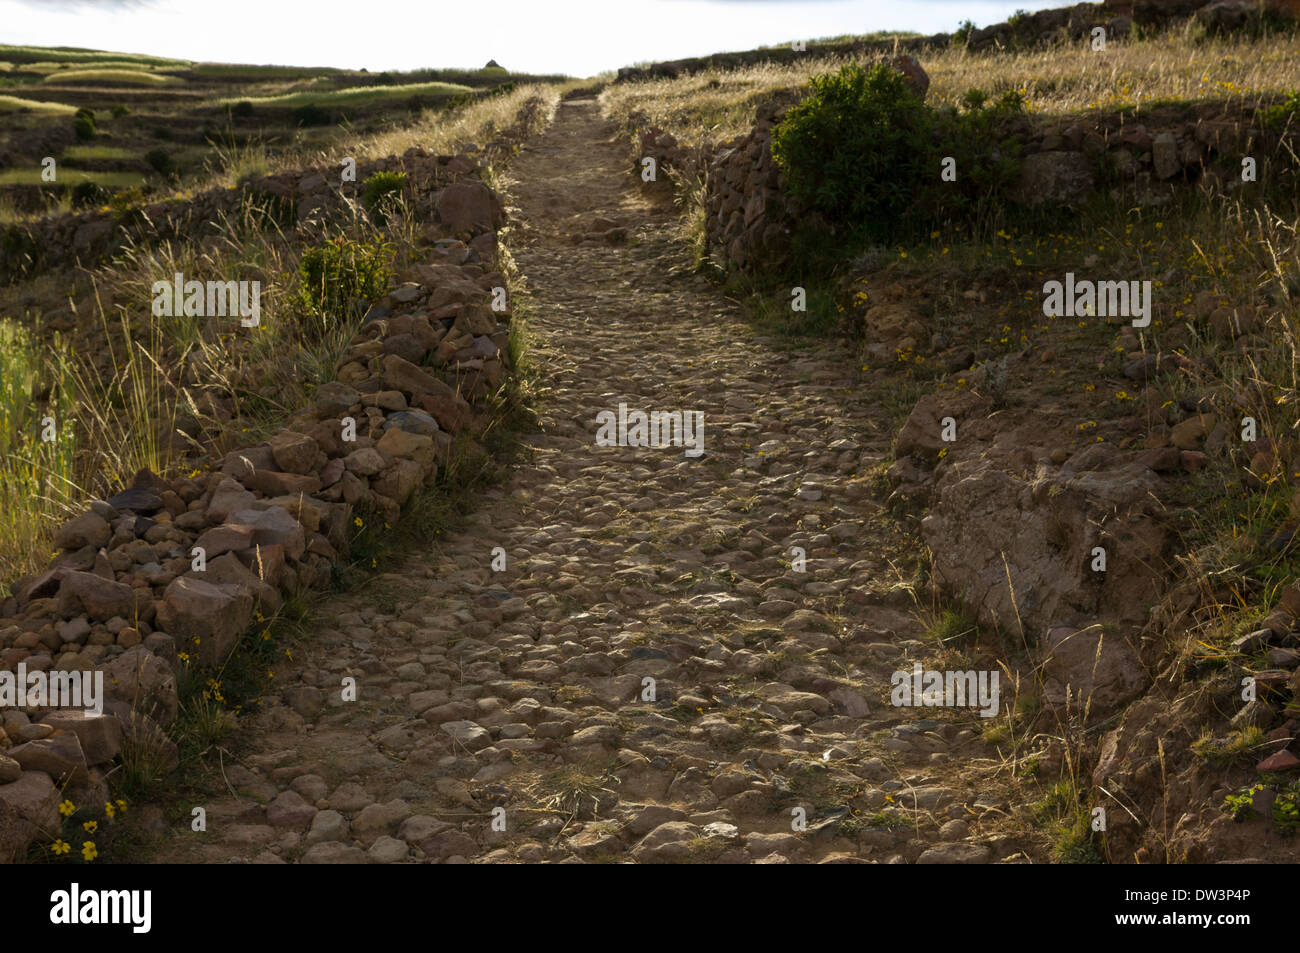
[37,474]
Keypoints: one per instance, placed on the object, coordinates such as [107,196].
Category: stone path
[524,689]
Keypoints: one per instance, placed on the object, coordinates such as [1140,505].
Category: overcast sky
[578,37]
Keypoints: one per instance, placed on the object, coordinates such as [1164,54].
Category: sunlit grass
[353,96]
[718,104]
[134,77]
[16,102]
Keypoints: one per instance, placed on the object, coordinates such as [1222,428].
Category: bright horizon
[577,37]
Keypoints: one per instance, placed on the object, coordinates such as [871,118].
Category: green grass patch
[55,109]
[71,176]
[36,472]
[107,153]
[352,97]
[121,77]
[1063,813]
[1236,747]
[80,55]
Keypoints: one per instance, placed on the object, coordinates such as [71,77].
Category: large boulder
[100,735]
[1020,552]
[294,452]
[58,755]
[143,681]
[1093,667]
[1057,177]
[88,529]
[205,618]
[273,527]
[915,77]
[99,598]
[413,381]
[469,206]
[29,807]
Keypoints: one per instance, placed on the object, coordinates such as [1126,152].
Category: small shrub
[119,111]
[311,115]
[86,194]
[83,128]
[863,152]
[1279,115]
[1241,805]
[962,34]
[334,275]
[159,160]
[125,201]
[856,148]
[84,113]
[1286,810]
[379,192]
[242,110]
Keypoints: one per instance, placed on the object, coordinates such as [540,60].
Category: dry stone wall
[181,567]
[750,219]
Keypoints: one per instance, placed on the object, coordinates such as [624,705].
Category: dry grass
[35,473]
[435,130]
[715,105]
[442,133]
[1171,67]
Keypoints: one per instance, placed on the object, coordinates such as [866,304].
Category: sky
[577,37]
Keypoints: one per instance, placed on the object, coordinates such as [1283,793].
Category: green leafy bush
[333,275]
[311,115]
[83,128]
[1277,116]
[988,160]
[865,153]
[380,191]
[1286,810]
[87,194]
[119,111]
[856,148]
